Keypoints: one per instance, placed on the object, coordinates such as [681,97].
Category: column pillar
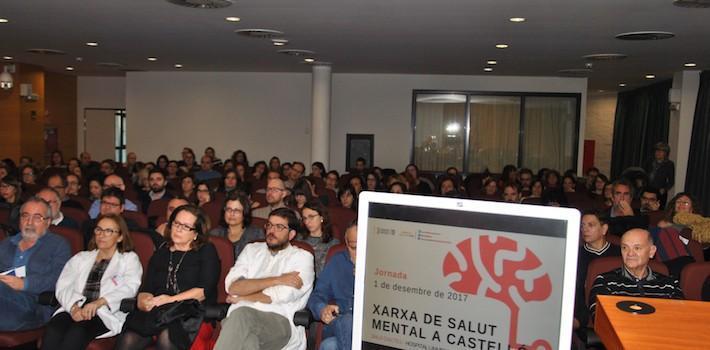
[320,119]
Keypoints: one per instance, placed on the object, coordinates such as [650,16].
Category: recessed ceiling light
[690,64]
[233,19]
[178,65]
[492,62]
[69,68]
[309,60]
[7,57]
[488,69]
[501,46]
[650,76]
[92,44]
[279,42]
[4,20]
[622,84]
[517,19]
[152,59]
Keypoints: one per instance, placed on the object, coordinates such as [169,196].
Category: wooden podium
[676,324]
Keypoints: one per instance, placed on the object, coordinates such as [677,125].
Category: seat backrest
[213,210]
[303,245]
[341,217]
[225,250]
[696,250]
[692,279]
[4,216]
[157,208]
[257,185]
[258,222]
[73,237]
[144,247]
[78,215]
[259,198]
[334,250]
[85,202]
[139,218]
[654,217]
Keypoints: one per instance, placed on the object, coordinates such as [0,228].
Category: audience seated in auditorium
[296,171]
[112,181]
[158,190]
[635,277]
[649,200]
[259,171]
[31,262]
[216,162]
[269,282]
[112,202]
[510,193]
[622,217]
[417,184]
[525,179]
[397,187]
[333,297]
[318,170]
[276,192]
[682,202]
[57,218]
[318,231]
[59,183]
[348,197]
[236,223]
[172,205]
[11,193]
[91,287]
[181,274]
[206,172]
[331,180]
[593,233]
[187,164]
[204,193]
[275,164]
[89,167]
[73,185]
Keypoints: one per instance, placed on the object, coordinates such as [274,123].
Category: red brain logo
[499,268]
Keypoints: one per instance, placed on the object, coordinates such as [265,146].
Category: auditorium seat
[692,279]
[332,197]
[259,198]
[157,208]
[696,250]
[10,340]
[340,217]
[257,185]
[73,237]
[144,247]
[138,217]
[85,202]
[78,215]
[654,217]
[213,210]
[258,222]
[225,250]
[4,216]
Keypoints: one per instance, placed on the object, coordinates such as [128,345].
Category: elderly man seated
[635,277]
[30,263]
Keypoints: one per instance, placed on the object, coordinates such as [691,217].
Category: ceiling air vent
[645,35]
[703,4]
[46,52]
[202,4]
[260,33]
[575,72]
[297,52]
[605,57]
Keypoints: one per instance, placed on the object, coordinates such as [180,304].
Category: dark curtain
[642,120]
[697,180]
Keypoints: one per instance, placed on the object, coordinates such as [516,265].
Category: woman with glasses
[181,274]
[236,220]
[91,287]
[204,193]
[319,231]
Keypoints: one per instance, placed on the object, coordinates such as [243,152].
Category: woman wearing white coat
[91,287]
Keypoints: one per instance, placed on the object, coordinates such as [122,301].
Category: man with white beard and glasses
[30,263]
[269,282]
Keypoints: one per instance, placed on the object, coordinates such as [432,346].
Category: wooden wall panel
[32,114]
[61,106]
[10,122]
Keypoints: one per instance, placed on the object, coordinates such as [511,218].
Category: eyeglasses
[275,189]
[233,211]
[105,231]
[36,218]
[112,205]
[310,217]
[277,227]
[683,202]
[182,227]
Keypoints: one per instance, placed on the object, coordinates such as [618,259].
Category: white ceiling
[387,36]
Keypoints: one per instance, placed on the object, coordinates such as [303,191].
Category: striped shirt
[622,282]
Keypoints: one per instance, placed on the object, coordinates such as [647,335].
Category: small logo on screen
[500,268]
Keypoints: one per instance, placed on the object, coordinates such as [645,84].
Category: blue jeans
[19,310]
[338,334]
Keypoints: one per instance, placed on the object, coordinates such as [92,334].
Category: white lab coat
[121,279]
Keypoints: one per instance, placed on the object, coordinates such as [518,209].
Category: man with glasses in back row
[276,191]
[269,282]
[30,263]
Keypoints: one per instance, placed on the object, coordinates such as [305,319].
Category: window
[120,135]
[479,131]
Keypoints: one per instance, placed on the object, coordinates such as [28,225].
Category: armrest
[216,311]
[303,318]
[593,340]
[128,305]
[47,298]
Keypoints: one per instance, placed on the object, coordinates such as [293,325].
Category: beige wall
[97,92]
[600,128]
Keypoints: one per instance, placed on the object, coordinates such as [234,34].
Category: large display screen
[443,273]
